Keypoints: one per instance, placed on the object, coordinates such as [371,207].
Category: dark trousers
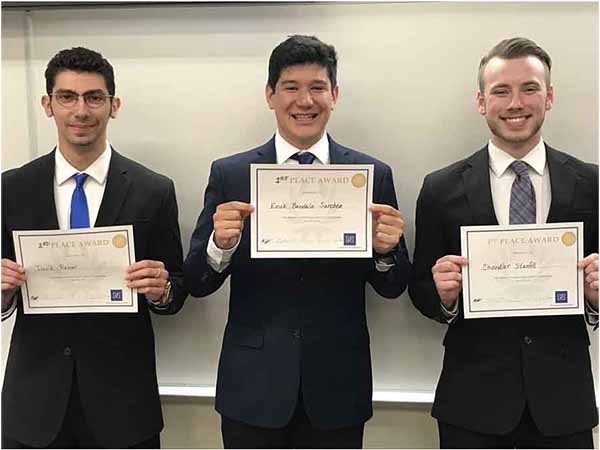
[525,435]
[75,432]
[298,433]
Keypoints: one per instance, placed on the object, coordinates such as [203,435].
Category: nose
[81,107]
[304,98]
[515,101]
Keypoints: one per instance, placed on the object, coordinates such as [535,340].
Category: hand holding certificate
[76,271]
[522,270]
[307,211]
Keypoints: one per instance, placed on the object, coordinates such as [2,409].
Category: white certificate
[311,211]
[76,271]
[522,270]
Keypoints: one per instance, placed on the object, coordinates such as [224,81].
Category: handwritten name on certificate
[76,271]
[311,211]
[522,270]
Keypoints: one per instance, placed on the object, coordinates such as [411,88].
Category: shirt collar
[98,170]
[500,160]
[285,150]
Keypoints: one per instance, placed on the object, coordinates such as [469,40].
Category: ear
[335,93]
[480,103]
[269,92]
[550,98]
[116,104]
[47,105]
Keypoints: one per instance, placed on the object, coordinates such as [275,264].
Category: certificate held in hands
[76,271]
[311,211]
[522,270]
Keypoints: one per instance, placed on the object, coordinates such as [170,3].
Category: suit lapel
[337,153]
[117,185]
[266,154]
[476,183]
[47,219]
[562,186]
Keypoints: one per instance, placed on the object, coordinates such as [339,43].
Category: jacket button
[527,340]
[297,333]
[67,351]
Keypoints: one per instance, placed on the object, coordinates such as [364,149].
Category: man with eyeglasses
[87,380]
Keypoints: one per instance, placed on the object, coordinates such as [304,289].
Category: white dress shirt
[64,185]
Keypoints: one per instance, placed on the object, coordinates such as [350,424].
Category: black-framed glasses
[69,99]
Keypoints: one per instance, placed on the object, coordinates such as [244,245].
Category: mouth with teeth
[515,121]
[304,117]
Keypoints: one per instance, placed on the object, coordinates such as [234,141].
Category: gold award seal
[359,180]
[568,238]
[119,241]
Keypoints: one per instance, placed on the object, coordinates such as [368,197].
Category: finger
[244,208]
[150,272]
[589,279]
[454,259]
[591,267]
[588,259]
[446,266]
[8,264]
[146,283]
[9,285]
[379,209]
[152,293]
[388,229]
[144,264]
[6,272]
[227,234]
[447,276]
[226,224]
[390,220]
[220,216]
[387,238]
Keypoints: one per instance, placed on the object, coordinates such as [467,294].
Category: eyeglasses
[70,99]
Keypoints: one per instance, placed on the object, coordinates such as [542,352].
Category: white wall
[192,82]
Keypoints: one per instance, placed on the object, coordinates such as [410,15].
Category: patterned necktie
[304,157]
[522,196]
[80,216]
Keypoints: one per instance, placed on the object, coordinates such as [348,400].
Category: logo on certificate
[560,297]
[119,241]
[116,295]
[568,238]
[359,180]
[349,238]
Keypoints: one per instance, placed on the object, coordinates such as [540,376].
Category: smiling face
[514,102]
[302,100]
[81,129]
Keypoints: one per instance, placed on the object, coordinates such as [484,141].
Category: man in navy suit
[522,382]
[295,366]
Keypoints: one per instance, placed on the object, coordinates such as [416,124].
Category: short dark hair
[513,48]
[300,49]
[79,59]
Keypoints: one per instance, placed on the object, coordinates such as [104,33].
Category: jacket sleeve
[200,279]
[167,248]
[392,283]
[430,245]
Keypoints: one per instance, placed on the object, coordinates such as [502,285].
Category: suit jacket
[293,323]
[111,355]
[493,367]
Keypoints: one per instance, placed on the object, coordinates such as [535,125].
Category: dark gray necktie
[522,195]
[304,157]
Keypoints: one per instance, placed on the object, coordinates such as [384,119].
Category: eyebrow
[69,91]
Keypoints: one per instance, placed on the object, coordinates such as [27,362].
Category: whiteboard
[192,83]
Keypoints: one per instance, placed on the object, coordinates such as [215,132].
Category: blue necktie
[304,157]
[522,195]
[80,216]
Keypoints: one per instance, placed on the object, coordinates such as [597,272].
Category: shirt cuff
[450,314]
[591,315]
[11,309]
[217,258]
[384,263]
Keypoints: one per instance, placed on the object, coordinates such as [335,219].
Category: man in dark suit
[87,380]
[514,381]
[295,366]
